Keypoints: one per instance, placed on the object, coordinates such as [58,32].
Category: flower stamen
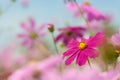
[82,45]
[33,35]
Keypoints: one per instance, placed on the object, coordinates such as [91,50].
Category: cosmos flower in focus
[90,12]
[31,34]
[83,49]
[69,33]
[115,39]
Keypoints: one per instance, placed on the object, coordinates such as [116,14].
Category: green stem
[54,43]
[82,14]
[89,63]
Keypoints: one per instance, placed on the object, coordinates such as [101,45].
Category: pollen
[82,45]
[33,35]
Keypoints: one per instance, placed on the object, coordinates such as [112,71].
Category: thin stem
[82,14]
[89,63]
[42,48]
[8,7]
[54,43]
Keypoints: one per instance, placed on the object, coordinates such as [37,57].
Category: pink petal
[59,37]
[32,23]
[92,53]
[115,39]
[71,6]
[25,2]
[28,42]
[25,42]
[42,34]
[6,58]
[97,40]
[50,63]
[90,10]
[82,58]
[71,58]
[41,27]
[73,43]
[70,51]
[22,35]
[77,14]
[25,27]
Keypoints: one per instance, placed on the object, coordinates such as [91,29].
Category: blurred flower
[32,33]
[52,75]
[69,33]
[83,49]
[37,70]
[115,39]
[71,74]
[90,74]
[25,2]
[90,12]
[8,63]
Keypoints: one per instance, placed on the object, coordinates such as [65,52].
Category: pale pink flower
[90,12]
[115,39]
[31,34]
[37,70]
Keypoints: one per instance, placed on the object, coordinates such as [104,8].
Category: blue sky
[46,11]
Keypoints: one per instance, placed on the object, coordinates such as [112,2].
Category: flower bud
[51,28]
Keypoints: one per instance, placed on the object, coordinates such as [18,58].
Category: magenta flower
[83,49]
[90,12]
[68,33]
[32,33]
[115,39]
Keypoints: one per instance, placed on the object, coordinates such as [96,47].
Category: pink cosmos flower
[37,70]
[115,39]
[68,33]
[32,33]
[90,74]
[83,49]
[71,74]
[8,62]
[90,12]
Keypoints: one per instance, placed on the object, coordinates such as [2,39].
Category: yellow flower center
[33,35]
[82,45]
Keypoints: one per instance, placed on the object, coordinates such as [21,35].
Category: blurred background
[13,12]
